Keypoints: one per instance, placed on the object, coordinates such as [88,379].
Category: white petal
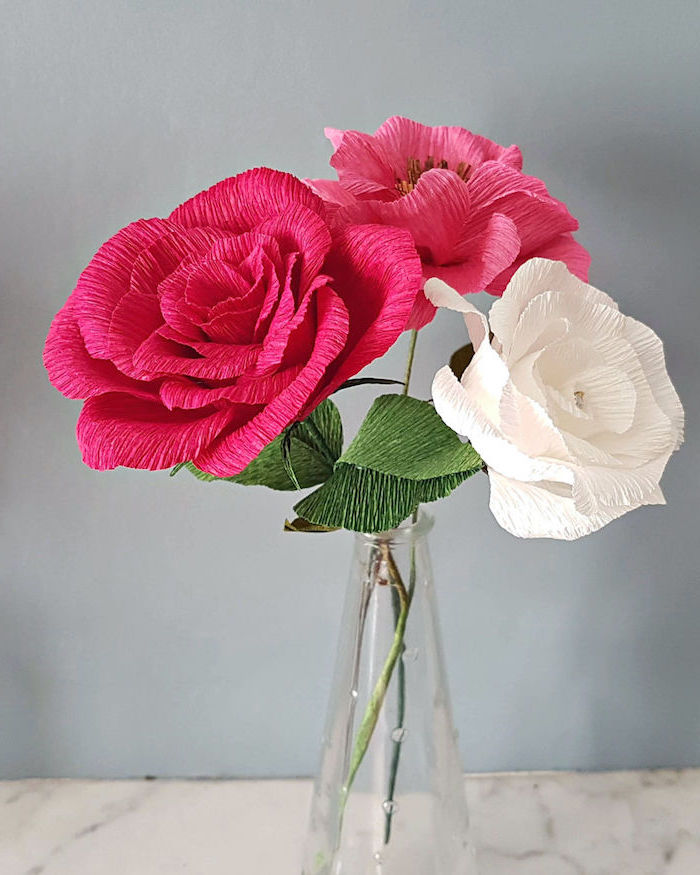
[542,510]
[528,426]
[598,489]
[652,433]
[531,279]
[441,295]
[471,408]
[650,351]
[582,317]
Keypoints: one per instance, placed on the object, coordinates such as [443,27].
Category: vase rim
[407,531]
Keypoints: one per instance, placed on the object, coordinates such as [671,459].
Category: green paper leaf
[402,456]
[305,453]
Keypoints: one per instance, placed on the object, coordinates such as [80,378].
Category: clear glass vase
[389,798]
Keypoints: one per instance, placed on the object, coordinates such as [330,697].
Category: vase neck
[407,533]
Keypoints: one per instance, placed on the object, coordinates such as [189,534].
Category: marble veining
[553,823]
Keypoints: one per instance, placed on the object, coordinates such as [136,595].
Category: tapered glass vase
[389,797]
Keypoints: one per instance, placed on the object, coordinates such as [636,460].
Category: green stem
[369,721]
[409,361]
[402,604]
[401,678]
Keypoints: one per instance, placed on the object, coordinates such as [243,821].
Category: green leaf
[402,456]
[305,453]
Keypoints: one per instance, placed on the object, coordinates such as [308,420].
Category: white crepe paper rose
[568,402]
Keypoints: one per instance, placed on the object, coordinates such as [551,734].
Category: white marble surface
[620,823]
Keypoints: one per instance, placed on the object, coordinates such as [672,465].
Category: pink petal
[486,255]
[563,248]
[403,138]
[242,202]
[183,393]
[363,167]
[74,372]
[157,261]
[159,356]
[538,216]
[290,336]
[232,452]
[134,319]
[117,429]
[334,135]
[332,192]
[301,230]
[435,213]
[377,273]
[107,279]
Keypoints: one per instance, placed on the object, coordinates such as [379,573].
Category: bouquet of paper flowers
[214,340]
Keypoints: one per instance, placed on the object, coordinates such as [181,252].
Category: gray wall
[160,626]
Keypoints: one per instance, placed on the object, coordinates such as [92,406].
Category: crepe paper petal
[234,450]
[487,244]
[117,429]
[300,230]
[596,489]
[334,135]
[377,273]
[562,248]
[510,315]
[332,192]
[650,353]
[187,395]
[542,510]
[440,294]
[363,166]
[496,245]
[74,372]
[471,410]
[402,137]
[106,280]
[538,216]
[160,258]
[161,357]
[434,212]
[291,334]
[135,318]
[242,202]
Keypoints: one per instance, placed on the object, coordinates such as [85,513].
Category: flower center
[414,170]
[578,399]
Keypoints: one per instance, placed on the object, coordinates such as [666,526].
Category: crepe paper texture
[472,213]
[402,456]
[569,404]
[202,336]
[213,339]
[303,456]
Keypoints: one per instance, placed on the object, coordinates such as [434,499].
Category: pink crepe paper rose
[474,217]
[202,336]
